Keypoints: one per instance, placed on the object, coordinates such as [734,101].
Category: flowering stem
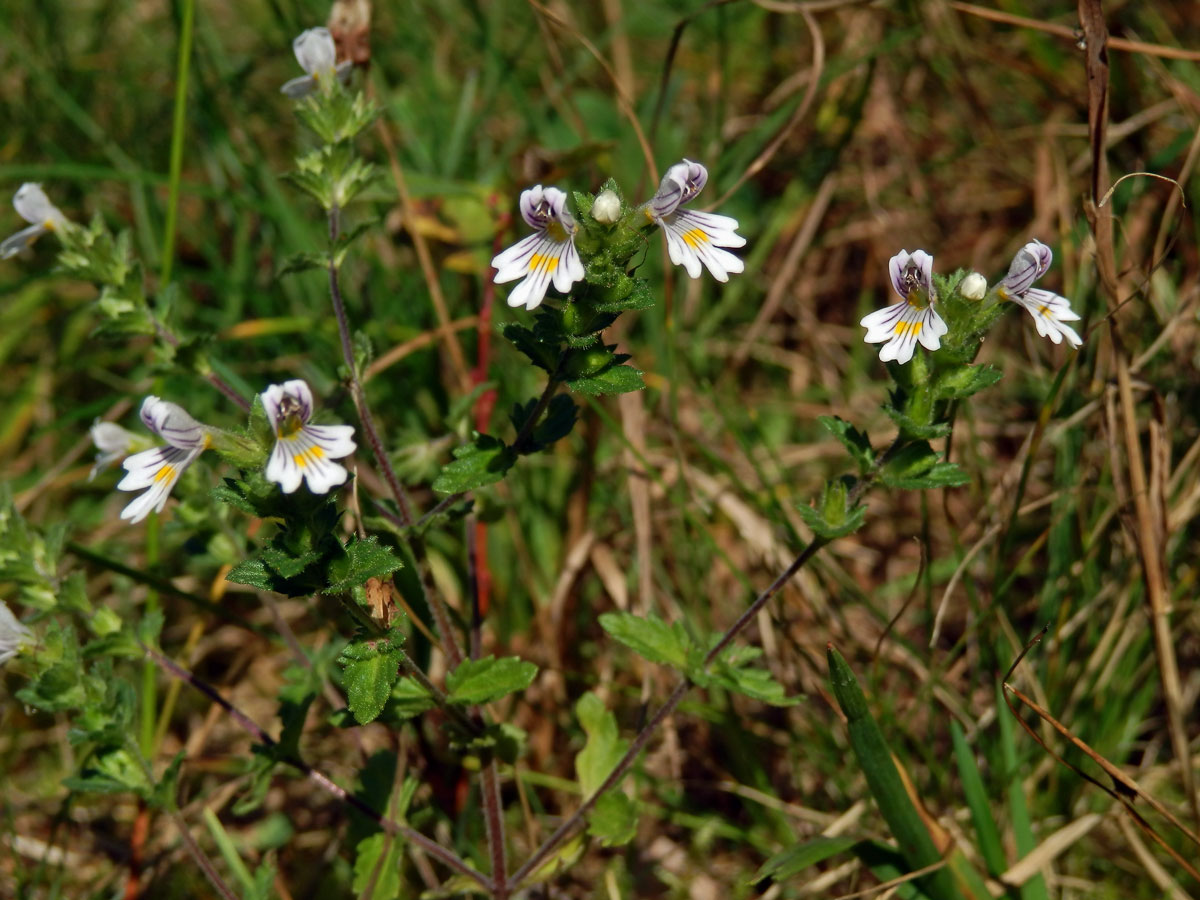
[356,390]
[448,857]
[643,737]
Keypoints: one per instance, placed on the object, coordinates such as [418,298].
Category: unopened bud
[973,287]
[607,208]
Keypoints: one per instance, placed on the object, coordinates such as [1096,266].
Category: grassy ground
[842,134]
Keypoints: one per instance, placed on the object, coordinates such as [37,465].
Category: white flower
[303,451]
[1049,310]
[32,205]
[973,287]
[13,635]
[694,237]
[158,469]
[606,209]
[113,442]
[911,320]
[317,55]
[548,255]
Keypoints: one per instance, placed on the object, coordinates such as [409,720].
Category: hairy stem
[356,389]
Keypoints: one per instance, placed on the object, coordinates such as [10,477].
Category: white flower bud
[607,208]
[973,287]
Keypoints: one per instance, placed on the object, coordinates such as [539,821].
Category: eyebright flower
[973,287]
[158,469]
[911,320]
[303,451]
[113,442]
[1049,310]
[545,256]
[32,204]
[317,55]
[13,635]
[694,237]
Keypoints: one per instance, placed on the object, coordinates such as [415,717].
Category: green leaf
[875,759]
[541,352]
[855,441]
[364,559]
[650,638]
[556,424]
[303,262]
[613,821]
[254,573]
[626,298]
[408,699]
[798,857]
[834,518]
[910,428]
[111,770]
[604,747]
[370,670]
[285,564]
[482,462]
[377,864]
[477,681]
[916,466]
[500,740]
[964,381]
[732,670]
[613,380]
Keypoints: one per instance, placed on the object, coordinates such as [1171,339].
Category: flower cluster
[301,452]
[549,256]
[32,205]
[901,326]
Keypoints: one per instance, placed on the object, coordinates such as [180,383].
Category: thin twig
[489,788]
[448,857]
[1071,34]
[201,859]
[356,390]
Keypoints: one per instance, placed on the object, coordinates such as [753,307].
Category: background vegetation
[842,132]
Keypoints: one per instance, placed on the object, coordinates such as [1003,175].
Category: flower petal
[336,440]
[299,88]
[315,50]
[173,424]
[900,326]
[539,259]
[1050,312]
[32,205]
[158,470]
[15,243]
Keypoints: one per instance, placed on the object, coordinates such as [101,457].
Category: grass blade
[875,759]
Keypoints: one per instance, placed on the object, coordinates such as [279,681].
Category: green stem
[177,135]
